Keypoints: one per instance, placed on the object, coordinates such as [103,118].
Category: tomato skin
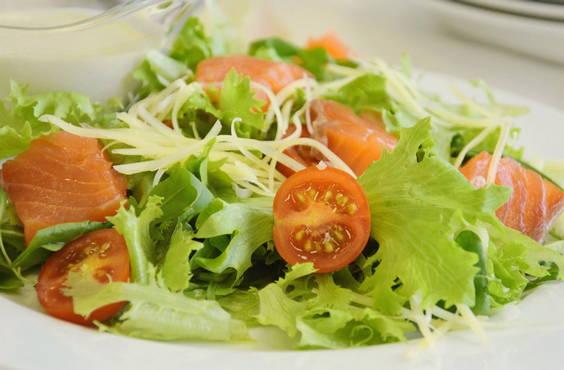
[321,229]
[105,252]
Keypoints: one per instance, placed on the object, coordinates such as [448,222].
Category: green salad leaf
[238,230]
[322,314]
[156,71]
[472,243]
[136,231]
[365,92]
[192,45]
[276,308]
[237,101]
[314,60]
[419,205]
[273,48]
[154,312]
[183,195]
[20,113]
[8,278]
[176,269]
[52,239]
[70,106]
[14,141]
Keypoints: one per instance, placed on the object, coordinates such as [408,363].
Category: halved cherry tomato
[302,154]
[332,44]
[104,252]
[358,141]
[321,216]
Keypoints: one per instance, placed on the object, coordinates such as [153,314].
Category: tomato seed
[328,247]
[352,208]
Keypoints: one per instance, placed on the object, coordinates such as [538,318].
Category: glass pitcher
[86,46]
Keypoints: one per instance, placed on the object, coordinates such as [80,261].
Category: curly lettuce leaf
[273,48]
[321,314]
[136,231]
[365,92]
[19,116]
[157,71]
[419,205]
[198,101]
[192,45]
[153,311]
[237,101]
[276,308]
[8,277]
[240,229]
[183,195]
[176,269]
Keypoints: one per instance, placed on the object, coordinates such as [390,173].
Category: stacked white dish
[531,27]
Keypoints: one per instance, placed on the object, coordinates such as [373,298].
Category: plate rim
[534,10]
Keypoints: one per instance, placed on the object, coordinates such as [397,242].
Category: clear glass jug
[87,46]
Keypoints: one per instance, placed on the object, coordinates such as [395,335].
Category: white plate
[540,38]
[526,8]
[531,334]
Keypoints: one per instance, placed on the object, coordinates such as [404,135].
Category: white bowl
[536,37]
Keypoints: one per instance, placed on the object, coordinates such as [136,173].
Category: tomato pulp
[321,216]
[105,254]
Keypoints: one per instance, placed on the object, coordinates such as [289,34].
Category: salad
[298,187]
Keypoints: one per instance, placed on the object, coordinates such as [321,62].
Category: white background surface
[387,28]
[409,27]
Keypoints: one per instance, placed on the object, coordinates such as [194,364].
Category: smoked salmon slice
[535,202]
[62,178]
[357,140]
[273,75]
[304,155]
[332,44]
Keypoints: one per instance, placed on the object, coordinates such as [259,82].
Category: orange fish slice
[273,75]
[358,141]
[535,202]
[332,44]
[62,178]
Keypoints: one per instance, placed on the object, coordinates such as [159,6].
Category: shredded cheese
[472,144]
[498,152]
[251,164]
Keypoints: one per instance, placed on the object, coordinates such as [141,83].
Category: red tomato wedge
[62,178]
[273,75]
[321,216]
[104,252]
[332,44]
[358,141]
[535,202]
